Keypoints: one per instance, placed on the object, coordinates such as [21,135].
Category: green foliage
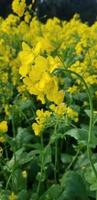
[74,187]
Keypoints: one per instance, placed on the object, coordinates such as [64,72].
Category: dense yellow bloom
[41,119]
[3,126]
[26,57]
[63,109]
[55,96]
[39,67]
[18,7]
[73,89]
[30,52]
[40,81]
[9,24]
[37,128]
[59,110]
[54,63]
[27,17]
[91,79]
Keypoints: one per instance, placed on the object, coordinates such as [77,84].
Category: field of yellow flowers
[48,112]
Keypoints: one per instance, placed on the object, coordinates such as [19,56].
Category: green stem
[6,152]
[73,160]
[13,125]
[8,181]
[42,166]
[56,153]
[91,120]
[56,160]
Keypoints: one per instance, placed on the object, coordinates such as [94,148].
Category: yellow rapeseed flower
[24,174]
[3,126]
[73,89]
[59,110]
[37,128]
[27,17]
[18,7]
[41,119]
[12,196]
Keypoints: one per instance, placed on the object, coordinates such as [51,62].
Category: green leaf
[41,177]
[27,157]
[81,135]
[73,133]
[13,161]
[47,154]
[23,137]
[88,112]
[21,157]
[25,104]
[56,137]
[73,187]
[52,193]
[91,178]
[66,158]
[23,195]
[34,196]
[18,181]
[4,195]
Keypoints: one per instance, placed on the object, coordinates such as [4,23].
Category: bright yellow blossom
[3,126]
[26,57]
[59,110]
[27,17]
[18,7]
[73,89]
[41,119]
[37,128]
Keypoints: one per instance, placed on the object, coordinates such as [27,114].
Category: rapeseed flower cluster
[62,109]
[42,117]
[18,7]
[41,95]
[31,51]
[3,126]
[3,130]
